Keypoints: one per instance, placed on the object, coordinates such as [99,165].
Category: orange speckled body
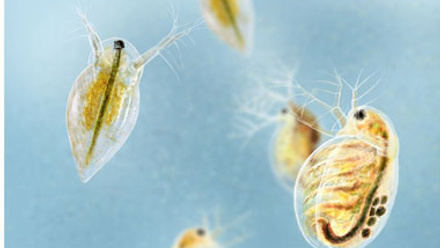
[103,103]
[99,118]
[196,238]
[341,184]
[295,140]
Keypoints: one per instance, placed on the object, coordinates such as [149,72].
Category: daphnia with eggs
[346,188]
[103,104]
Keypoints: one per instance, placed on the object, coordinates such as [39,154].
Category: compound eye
[360,115]
[201,232]
[284,111]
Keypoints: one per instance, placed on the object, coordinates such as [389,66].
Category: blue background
[179,162]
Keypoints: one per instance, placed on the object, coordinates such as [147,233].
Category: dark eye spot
[201,232]
[118,44]
[360,115]
[284,111]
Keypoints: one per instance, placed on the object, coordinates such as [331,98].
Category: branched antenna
[295,89]
[219,229]
[311,125]
[358,85]
[333,129]
[94,40]
[335,110]
[254,111]
[170,39]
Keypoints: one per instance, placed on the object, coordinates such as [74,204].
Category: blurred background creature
[296,136]
[232,21]
[204,237]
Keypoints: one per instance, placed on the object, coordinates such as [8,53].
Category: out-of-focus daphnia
[232,20]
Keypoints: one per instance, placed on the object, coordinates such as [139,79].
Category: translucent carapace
[232,20]
[293,142]
[204,237]
[103,104]
[296,136]
[346,189]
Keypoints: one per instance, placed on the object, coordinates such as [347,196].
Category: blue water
[179,162]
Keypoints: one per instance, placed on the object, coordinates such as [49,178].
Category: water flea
[232,21]
[103,103]
[206,237]
[295,137]
[339,187]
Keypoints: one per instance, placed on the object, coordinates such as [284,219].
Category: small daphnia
[204,237]
[296,136]
[103,104]
[232,21]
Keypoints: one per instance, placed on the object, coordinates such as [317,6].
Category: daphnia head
[196,238]
[127,72]
[286,117]
[373,126]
